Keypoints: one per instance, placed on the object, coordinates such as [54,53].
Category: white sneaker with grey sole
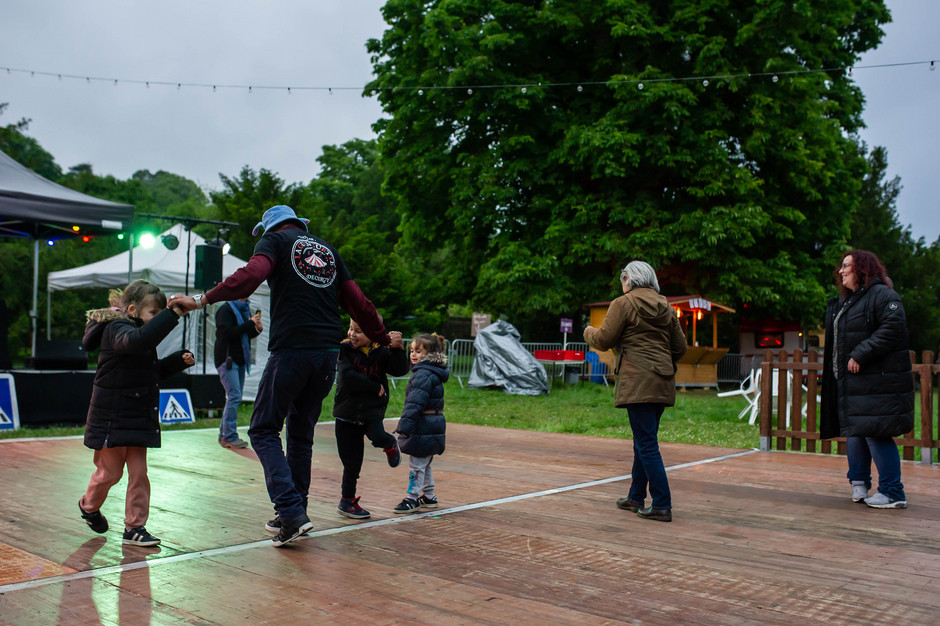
[881,501]
[859,490]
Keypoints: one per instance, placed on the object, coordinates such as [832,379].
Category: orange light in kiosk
[698,315]
[86,238]
[75,228]
[678,312]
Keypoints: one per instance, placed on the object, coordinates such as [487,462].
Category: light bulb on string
[775,79]
[580,88]
[932,66]
[288,91]
[640,86]
[421,92]
[469,92]
[705,83]
[213,88]
[523,90]
[850,72]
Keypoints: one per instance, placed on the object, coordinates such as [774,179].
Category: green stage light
[147,240]
[120,235]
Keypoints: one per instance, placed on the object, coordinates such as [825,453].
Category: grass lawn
[699,416]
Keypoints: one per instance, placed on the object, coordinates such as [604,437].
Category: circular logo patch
[314,262]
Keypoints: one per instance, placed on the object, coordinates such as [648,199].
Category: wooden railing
[782,415]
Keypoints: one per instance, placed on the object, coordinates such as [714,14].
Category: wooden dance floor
[527,533]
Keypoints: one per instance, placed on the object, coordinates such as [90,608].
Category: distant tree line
[525,204]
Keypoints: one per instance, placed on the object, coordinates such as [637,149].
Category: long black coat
[878,401]
[422,422]
[125,398]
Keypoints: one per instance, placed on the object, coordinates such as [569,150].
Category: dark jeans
[292,389]
[648,468]
[861,451]
[350,447]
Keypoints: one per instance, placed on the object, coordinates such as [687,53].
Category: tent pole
[189,237]
[32,312]
[48,314]
[130,260]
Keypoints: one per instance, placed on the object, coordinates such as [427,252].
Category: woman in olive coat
[644,331]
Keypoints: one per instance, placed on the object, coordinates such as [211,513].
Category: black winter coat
[878,401]
[125,398]
[422,422]
[359,377]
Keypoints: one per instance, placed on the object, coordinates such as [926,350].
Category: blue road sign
[9,414]
[176,406]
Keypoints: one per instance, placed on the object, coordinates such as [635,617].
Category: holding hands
[179,302]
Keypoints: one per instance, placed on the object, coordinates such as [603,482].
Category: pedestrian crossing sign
[176,406]
[9,414]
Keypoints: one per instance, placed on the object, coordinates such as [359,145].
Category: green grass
[699,417]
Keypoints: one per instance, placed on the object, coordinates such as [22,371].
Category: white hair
[639,274]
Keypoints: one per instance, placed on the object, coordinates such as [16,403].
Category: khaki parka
[647,340]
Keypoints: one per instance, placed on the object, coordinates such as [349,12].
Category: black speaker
[60,355]
[208,267]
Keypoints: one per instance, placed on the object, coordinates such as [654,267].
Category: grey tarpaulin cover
[501,361]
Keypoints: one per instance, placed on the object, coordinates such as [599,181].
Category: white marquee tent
[167,269]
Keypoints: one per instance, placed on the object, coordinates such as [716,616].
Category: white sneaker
[881,501]
[859,490]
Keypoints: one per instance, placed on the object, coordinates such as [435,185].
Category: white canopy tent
[167,269]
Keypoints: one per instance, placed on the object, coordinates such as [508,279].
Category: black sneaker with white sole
[408,505]
[273,526]
[427,503]
[139,537]
[95,520]
[292,530]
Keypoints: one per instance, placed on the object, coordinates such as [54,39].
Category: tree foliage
[913,266]
[741,189]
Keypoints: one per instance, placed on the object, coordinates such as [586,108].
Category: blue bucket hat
[275,215]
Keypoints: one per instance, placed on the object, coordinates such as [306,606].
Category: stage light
[75,228]
[86,238]
[218,242]
[120,235]
[147,240]
[50,242]
[170,242]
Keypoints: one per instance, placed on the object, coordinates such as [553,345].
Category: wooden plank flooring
[527,533]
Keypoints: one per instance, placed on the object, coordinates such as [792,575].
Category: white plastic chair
[750,390]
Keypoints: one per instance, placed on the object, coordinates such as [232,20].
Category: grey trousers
[420,479]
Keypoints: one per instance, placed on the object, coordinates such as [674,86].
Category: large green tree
[912,265]
[543,144]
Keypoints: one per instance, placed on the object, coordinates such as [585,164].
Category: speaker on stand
[208,275]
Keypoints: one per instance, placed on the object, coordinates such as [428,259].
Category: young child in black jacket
[422,424]
[122,417]
[359,406]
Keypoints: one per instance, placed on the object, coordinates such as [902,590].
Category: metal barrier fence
[461,353]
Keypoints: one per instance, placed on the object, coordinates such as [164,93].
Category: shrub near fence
[774,436]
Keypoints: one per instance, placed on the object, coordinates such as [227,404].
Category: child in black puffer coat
[421,427]
[123,418]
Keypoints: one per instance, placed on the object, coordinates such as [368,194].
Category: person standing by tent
[235,327]
[309,283]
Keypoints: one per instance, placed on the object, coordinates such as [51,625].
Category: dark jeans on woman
[861,451]
[350,447]
[648,468]
[292,389]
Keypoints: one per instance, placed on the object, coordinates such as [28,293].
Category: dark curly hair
[867,268]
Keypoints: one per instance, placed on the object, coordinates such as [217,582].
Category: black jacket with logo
[878,401]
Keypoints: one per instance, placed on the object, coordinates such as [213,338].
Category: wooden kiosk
[699,366]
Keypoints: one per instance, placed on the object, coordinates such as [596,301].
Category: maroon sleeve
[363,311]
[243,282]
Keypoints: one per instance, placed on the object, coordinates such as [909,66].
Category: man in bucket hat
[309,282]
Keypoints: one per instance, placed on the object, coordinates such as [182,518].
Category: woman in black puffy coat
[421,427]
[868,385]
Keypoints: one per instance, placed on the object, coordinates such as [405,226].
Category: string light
[704,80]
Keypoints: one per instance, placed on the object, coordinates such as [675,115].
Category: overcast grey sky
[198,133]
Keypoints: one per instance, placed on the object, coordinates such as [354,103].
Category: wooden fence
[797,398]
